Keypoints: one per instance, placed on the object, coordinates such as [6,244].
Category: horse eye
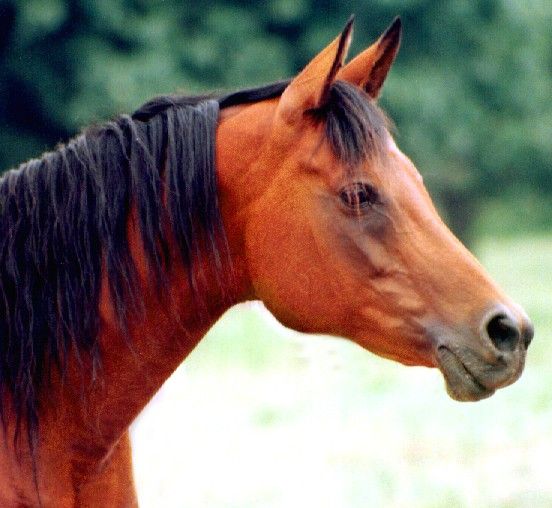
[359,195]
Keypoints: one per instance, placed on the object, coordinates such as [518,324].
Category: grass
[261,417]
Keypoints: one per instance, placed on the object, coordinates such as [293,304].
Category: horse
[121,248]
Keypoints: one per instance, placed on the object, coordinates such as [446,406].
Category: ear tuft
[389,44]
[341,54]
[369,69]
[310,89]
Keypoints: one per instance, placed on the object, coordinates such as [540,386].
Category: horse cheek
[288,276]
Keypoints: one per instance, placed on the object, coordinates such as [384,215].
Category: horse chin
[461,383]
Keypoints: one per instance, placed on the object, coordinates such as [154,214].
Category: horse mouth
[461,383]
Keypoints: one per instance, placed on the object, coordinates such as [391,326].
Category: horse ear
[369,69]
[311,87]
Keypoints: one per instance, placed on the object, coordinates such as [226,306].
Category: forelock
[355,126]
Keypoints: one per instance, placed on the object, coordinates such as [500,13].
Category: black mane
[63,220]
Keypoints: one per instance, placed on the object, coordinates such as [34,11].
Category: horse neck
[241,138]
[81,421]
[137,362]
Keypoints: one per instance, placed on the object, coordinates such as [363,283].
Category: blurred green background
[259,417]
[470,92]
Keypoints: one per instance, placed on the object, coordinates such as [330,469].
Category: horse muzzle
[476,365]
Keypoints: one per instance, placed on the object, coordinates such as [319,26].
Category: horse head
[338,234]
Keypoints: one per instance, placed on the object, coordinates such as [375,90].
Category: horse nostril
[527,335]
[503,332]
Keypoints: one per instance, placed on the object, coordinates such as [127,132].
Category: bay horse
[120,249]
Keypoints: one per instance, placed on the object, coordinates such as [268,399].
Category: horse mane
[63,220]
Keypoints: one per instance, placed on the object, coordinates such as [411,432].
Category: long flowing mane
[63,219]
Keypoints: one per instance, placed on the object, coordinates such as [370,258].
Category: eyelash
[359,195]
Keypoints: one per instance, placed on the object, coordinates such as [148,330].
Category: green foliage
[470,92]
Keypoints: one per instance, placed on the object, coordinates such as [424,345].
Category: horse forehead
[405,163]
